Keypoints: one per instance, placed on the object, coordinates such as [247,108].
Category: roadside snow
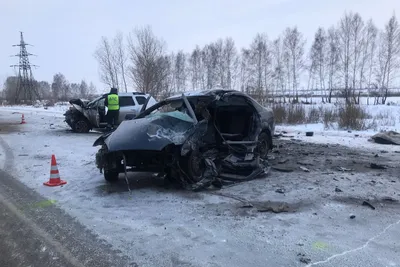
[57,110]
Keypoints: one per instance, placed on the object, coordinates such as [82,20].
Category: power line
[26,87]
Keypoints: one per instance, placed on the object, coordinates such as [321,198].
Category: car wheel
[263,144]
[111,176]
[192,166]
[81,126]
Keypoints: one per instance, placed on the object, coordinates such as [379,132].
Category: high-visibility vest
[113,102]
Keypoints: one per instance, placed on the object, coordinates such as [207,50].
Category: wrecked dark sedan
[197,138]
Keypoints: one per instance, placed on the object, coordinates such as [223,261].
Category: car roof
[132,93]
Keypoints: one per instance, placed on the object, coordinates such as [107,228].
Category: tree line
[59,90]
[351,57]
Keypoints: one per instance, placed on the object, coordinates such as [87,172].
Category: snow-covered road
[164,227]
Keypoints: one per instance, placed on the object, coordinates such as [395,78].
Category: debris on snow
[280,191]
[342,169]
[366,203]
[304,169]
[387,138]
[377,166]
[282,168]
[338,190]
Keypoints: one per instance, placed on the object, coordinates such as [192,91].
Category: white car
[85,115]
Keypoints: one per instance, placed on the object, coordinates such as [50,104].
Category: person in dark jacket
[112,103]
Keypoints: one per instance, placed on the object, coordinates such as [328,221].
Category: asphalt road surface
[33,233]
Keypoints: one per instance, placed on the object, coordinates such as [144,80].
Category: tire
[81,126]
[111,176]
[264,144]
[192,166]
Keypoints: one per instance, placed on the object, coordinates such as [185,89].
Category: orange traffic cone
[55,179]
[23,119]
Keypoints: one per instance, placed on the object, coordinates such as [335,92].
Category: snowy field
[156,226]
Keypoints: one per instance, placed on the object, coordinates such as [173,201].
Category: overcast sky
[65,33]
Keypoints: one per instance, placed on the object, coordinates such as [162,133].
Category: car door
[127,107]
[91,112]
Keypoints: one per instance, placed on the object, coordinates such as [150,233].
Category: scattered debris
[305,163]
[303,258]
[23,155]
[366,203]
[342,169]
[275,207]
[304,169]
[389,199]
[338,190]
[377,166]
[387,138]
[280,191]
[282,169]
[376,155]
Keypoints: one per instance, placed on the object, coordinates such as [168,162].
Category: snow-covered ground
[382,118]
[164,227]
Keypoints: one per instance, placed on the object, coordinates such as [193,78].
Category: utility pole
[26,87]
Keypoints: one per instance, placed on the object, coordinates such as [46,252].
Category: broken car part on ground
[197,139]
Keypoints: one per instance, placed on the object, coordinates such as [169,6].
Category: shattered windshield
[95,100]
[175,108]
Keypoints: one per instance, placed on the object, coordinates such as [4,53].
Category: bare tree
[333,60]
[196,69]
[372,34]
[92,89]
[357,28]
[246,73]
[10,88]
[83,89]
[367,49]
[108,66]
[294,46]
[60,87]
[278,66]
[149,68]
[210,61]
[345,33]
[318,59]
[44,89]
[120,57]
[180,71]
[389,56]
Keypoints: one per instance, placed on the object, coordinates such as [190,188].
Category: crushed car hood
[154,132]
[80,102]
